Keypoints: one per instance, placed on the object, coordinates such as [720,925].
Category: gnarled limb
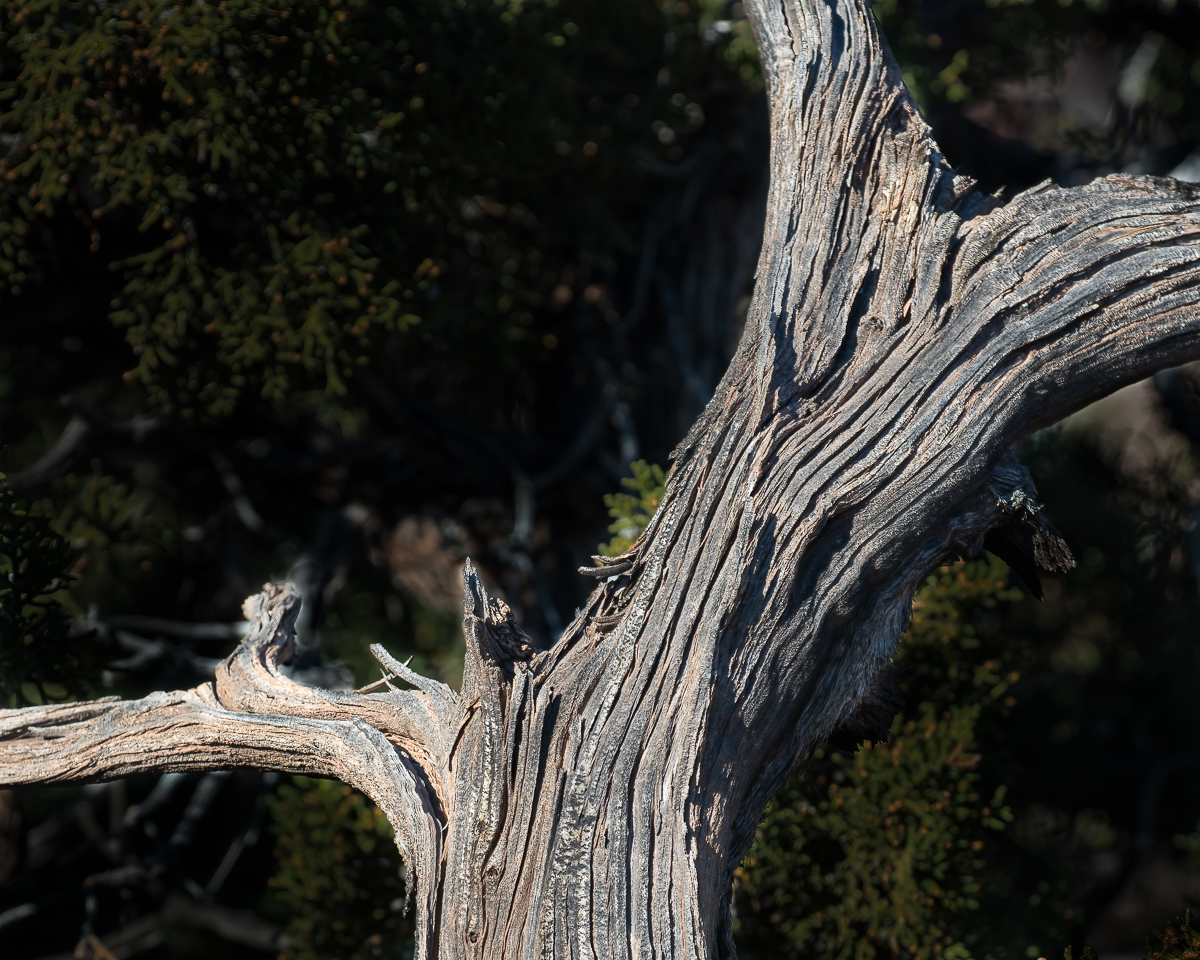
[905,332]
[1071,293]
[420,722]
[254,717]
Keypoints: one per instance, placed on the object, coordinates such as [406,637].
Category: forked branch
[878,258]
[390,746]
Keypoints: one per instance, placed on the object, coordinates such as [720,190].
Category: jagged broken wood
[905,331]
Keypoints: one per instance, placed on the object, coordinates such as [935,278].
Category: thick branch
[853,166]
[905,332]
[1072,293]
[870,233]
[254,717]
[181,731]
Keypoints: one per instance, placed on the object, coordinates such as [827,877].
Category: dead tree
[593,800]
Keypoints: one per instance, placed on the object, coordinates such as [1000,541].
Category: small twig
[606,569]
[228,923]
[69,441]
[144,652]
[524,511]
[380,682]
[622,418]
[205,793]
[645,274]
[247,838]
[428,685]
[15,914]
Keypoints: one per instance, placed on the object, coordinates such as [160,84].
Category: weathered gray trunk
[592,801]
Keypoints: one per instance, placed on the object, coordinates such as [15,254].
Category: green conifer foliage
[340,883]
[126,539]
[631,512]
[883,852]
[1178,941]
[38,658]
[283,186]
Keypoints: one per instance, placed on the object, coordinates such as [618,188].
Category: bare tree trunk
[905,332]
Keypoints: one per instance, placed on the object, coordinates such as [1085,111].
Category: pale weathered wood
[905,332]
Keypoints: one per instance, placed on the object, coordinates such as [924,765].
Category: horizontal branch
[181,731]
[389,746]
[1069,294]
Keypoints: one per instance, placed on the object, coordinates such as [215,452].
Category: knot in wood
[1019,504]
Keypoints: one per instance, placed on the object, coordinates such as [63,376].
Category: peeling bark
[592,801]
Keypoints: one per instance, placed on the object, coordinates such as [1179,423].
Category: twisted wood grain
[265,722]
